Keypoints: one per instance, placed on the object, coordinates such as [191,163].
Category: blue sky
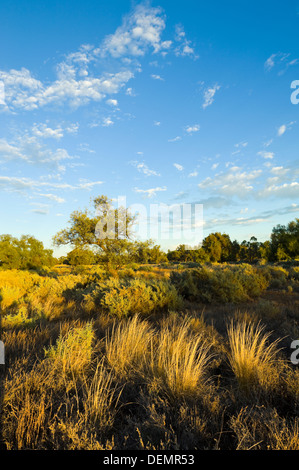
[158,102]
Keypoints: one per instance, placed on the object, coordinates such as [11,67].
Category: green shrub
[219,283]
[122,297]
[277,276]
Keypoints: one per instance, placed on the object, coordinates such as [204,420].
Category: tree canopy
[24,253]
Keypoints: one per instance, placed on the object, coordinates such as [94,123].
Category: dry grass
[197,377]
[180,359]
[127,346]
[250,356]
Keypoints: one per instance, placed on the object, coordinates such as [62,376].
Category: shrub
[219,284]
[277,276]
[72,352]
[123,297]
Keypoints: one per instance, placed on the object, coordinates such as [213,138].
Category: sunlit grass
[127,346]
[180,360]
[251,356]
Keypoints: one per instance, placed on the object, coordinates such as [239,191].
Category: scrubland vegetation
[121,346]
[151,357]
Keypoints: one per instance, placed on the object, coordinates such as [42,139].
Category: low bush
[220,283]
[123,297]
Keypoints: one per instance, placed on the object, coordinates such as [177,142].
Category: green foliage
[80,256]
[277,276]
[123,297]
[24,253]
[106,229]
[217,246]
[285,241]
[220,283]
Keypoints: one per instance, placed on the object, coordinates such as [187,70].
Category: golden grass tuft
[251,357]
[180,360]
[127,346]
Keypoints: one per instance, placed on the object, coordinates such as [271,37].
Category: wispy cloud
[266,155]
[150,192]
[107,121]
[281,59]
[209,95]
[234,182]
[178,166]
[22,184]
[192,129]
[53,197]
[185,46]
[28,149]
[143,168]
[284,127]
[157,77]
[175,139]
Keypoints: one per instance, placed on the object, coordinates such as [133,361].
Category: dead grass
[198,377]
[251,357]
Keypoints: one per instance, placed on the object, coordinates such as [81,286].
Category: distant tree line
[217,247]
[88,248]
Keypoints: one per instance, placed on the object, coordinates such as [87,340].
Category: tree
[106,229]
[218,246]
[24,253]
[285,241]
[80,256]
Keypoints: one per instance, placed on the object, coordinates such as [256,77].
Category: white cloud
[143,168]
[112,102]
[107,121]
[209,94]
[266,155]
[175,139]
[129,92]
[41,211]
[42,130]
[270,62]
[185,47]
[142,29]
[77,82]
[281,130]
[89,184]
[150,192]
[280,59]
[28,149]
[193,174]
[286,190]
[284,127]
[178,166]
[241,144]
[191,129]
[70,90]
[53,197]
[234,182]
[157,77]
